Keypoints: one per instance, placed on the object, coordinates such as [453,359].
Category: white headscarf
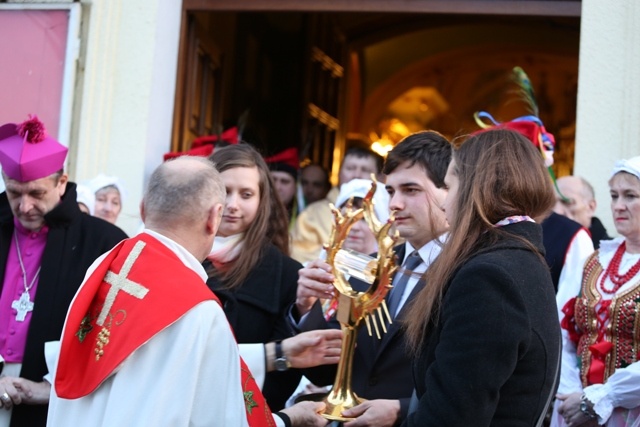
[87,197]
[102,180]
[360,188]
[631,166]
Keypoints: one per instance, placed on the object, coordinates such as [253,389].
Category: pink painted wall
[32,53]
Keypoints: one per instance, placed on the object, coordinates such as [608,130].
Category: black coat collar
[510,237]
[257,289]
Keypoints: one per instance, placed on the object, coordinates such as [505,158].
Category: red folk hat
[285,161]
[27,153]
[203,145]
[529,126]
[288,156]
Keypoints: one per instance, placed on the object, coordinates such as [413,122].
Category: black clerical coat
[74,241]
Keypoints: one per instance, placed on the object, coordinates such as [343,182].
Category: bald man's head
[181,191]
[581,205]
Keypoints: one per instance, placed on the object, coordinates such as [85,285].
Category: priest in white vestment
[145,342]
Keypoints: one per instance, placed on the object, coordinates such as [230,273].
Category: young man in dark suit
[415,171]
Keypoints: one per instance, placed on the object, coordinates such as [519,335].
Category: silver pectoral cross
[23,306]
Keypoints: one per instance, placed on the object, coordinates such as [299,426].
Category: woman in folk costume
[249,269]
[600,379]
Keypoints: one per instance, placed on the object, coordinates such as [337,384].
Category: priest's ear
[61,179]
[214,218]
[142,212]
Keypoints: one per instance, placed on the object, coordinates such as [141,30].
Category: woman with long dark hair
[249,269]
[484,330]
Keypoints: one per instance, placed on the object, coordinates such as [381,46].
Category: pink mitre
[27,153]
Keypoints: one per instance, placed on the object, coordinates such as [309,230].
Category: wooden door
[198,92]
[321,126]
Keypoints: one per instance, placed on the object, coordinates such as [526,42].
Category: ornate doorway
[321,75]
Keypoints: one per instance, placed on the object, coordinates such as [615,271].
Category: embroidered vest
[605,345]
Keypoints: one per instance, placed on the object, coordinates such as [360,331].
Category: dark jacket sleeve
[325,374]
[313,320]
[279,386]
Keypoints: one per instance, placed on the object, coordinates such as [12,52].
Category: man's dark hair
[429,149]
[361,151]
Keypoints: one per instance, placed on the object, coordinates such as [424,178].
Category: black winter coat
[491,358]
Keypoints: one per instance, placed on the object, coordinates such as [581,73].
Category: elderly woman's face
[108,204]
[625,204]
[360,238]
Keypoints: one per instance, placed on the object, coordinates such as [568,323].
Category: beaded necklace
[612,271]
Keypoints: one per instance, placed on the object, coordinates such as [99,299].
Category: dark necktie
[395,295]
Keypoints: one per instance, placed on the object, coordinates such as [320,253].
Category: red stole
[122,305]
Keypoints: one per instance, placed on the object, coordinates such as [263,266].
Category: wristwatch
[281,363]
[586,408]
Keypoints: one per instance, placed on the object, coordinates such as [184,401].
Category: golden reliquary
[354,307]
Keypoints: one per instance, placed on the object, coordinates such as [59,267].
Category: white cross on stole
[120,282]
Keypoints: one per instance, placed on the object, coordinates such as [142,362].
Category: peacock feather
[525,90]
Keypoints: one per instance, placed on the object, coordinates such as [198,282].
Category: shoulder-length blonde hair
[270,224]
[500,174]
